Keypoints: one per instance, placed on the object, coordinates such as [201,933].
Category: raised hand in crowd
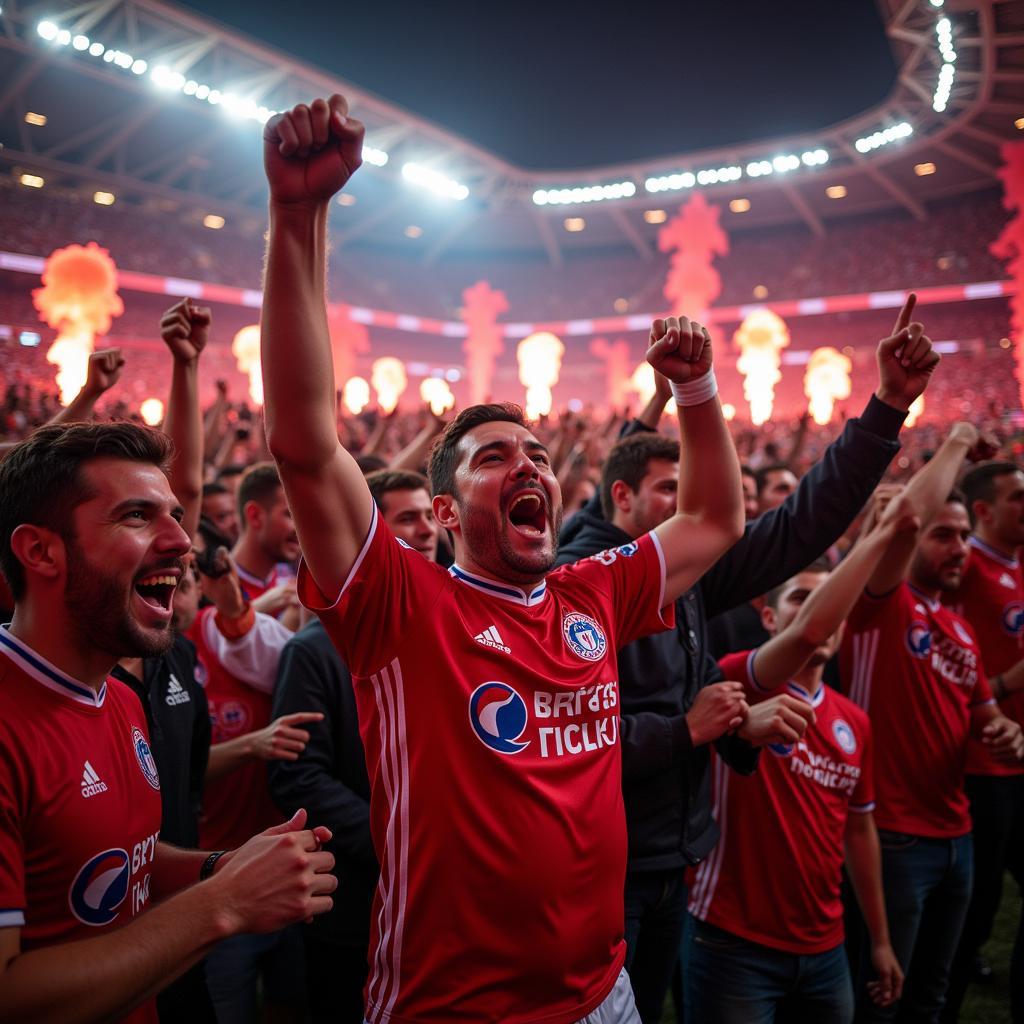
[906,360]
[104,371]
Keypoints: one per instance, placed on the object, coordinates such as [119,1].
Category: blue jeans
[655,912]
[927,884]
[729,980]
[235,966]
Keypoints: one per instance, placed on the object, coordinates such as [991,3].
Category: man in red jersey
[915,667]
[755,945]
[991,598]
[92,547]
[487,695]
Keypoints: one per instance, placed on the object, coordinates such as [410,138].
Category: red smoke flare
[481,306]
[694,238]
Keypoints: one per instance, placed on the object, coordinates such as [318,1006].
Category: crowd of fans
[776,696]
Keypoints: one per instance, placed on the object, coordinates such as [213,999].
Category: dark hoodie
[666,782]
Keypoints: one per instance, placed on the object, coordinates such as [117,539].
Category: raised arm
[709,516]
[826,608]
[104,371]
[309,153]
[185,330]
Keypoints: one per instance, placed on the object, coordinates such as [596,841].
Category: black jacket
[329,779]
[178,719]
[666,782]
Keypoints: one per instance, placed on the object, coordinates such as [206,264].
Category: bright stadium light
[434,181]
[80,42]
[47,30]
[584,194]
[883,137]
[63,37]
[947,72]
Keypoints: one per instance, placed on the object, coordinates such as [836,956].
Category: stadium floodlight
[584,194]
[63,37]
[947,72]
[139,67]
[80,42]
[372,155]
[32,181]
[47,30]
[434,181]
[894,133]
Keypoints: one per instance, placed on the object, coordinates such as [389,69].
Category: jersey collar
[47,674]
[929,602]
[996,556]
[798,691]
[252,579]
[506,591]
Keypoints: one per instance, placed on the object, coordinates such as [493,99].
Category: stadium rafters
[126,91]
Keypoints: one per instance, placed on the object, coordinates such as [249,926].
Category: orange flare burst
[436,393]
[246,350]
[356,395]
[484,340]
[827,380]
[916,408]
[540,363]
[79,300]
[761,338]
[642,382]
[389,381]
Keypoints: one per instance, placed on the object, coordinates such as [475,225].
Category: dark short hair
[979,482]
[628,461]
[41,478]
[384,481]
[761,475]
[209,490]
[370,464]
[230,470]
[444,459]
[745,470]
[818,565]
[259,483]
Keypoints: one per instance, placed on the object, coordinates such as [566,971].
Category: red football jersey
[79,804]
[991,598]
[236,806]
[254,587]
[490,718]
[774,876]
[915,667]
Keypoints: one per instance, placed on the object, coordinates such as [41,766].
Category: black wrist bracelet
[208,865]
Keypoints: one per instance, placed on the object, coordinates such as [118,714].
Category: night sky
[564,85]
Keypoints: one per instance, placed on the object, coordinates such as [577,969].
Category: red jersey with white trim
[79,804]
[490,718]
[991,598]
[791,812]
[238,805]
[254,587]
[915,667]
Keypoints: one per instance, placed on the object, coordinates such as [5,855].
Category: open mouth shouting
[155,592]
[528,513]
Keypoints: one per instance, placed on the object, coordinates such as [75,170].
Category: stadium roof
[159,106]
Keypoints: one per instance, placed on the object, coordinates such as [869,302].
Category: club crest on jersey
[1013,618]
[919,639]
[628,550]
[584,636]
[498,716]
[781,749]
[844,736]
[144,756]
[100,887]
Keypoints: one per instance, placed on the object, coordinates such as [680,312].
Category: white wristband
[695,392]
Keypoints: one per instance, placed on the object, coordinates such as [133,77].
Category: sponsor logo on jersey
[100,887]
[498,716]
[1008,581]
[628,550]
[584,636]
[144,756]
[490,637]
[962,633]
[1013,618]
[92,784]
[919,639]
[844,736]
[176,693]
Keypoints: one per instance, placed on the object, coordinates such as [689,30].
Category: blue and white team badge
[584,636]
[498,716]
[962,633]
[919,640]
[100,887]
[1013,618]
[628,550]
[844,736]
[145,758]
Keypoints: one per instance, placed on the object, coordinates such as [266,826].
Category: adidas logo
[490,637]
[176,693]
[91,784]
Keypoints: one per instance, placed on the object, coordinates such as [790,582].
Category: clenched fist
[680,349]
[309,152]
[104,370]
[185,330]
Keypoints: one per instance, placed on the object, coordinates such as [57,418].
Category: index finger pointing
[302,716]
[906,313]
